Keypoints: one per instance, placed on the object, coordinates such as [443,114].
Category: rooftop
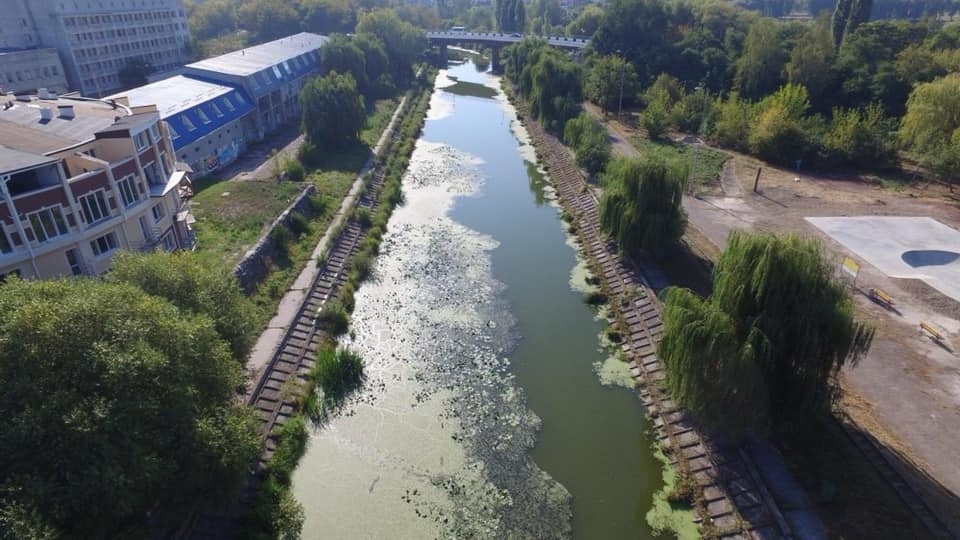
[14,160]
[253,59]
[174,95]
[39,126]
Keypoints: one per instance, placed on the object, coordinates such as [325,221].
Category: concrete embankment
[730,495]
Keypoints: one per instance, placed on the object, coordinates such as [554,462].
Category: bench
[931,331]
[881,296]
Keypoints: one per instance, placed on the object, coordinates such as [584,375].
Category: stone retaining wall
[255,265]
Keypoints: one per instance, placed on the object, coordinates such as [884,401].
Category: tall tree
[113,401]
[511,16]
[763,351]
[402,42]
[333,111]
[641,204]
[195,286]
[590,140]
[341,54]
[931,126]
[760,67]
[610,78]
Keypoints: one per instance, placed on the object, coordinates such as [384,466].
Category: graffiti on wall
[221,157]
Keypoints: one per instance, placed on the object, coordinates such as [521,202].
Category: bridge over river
[496,41]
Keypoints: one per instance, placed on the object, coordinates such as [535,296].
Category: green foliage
[590,141]
[759,68]
[333,110]
[402,42]
[113,400]
[299,224]
[334,317]
[865,139]
[641,204]
[196,286]
[695,112]
[765,349]
[931,126]
[609,78]
[734,118]
[275,513]
[338,372]
[511,16]
[655,118]
[549,81]
[778,135]
[294,170]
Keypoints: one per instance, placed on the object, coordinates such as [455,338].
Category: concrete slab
[901,247]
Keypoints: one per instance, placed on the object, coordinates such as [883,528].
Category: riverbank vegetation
[274,512]
[763,351]
[120,398]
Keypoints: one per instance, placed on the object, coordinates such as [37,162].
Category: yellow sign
[851,267]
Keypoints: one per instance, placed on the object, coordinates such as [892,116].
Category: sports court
[901,247]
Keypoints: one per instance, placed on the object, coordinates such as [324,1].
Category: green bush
[282,237]
[294,170]
[334,318]
[299,225]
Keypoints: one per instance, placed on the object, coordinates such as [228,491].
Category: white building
[82,178]
[97,38]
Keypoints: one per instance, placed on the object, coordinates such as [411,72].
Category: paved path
[269,340]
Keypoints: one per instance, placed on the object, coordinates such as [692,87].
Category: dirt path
[906,392]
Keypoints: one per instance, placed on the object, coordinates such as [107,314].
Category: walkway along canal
[483,414]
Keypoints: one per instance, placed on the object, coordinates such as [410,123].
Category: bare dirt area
[906,391]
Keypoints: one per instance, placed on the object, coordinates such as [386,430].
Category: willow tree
[764,350]
[641,208]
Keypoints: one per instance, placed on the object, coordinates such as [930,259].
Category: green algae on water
[664,517]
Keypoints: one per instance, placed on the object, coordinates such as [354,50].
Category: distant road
[448,36]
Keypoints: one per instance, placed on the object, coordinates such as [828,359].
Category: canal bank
[483,413]
[727,484]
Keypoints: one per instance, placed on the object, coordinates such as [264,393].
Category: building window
[158,212]
[73,259]
[226,101]
[216,110]
[141,140]
[153,174]
[48,223]
[5,246]
[104,244]
[155,133]
[128,190]
[94,207]
[173,132]
[239,98]
[187,123]
[169,242]
[203,116]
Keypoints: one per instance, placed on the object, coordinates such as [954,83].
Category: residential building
[272,74]
[210,124]
[31,69]
[82,178]
[98,38]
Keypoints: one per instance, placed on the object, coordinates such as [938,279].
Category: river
[490,409]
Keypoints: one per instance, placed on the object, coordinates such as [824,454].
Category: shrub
[294,170]
[299,225]
[334,318]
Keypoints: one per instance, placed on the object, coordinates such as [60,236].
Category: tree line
[854,91]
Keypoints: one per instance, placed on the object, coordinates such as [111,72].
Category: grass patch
[231,216]
[378,120]
[707,164]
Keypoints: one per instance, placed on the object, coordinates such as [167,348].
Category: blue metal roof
[192,108]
